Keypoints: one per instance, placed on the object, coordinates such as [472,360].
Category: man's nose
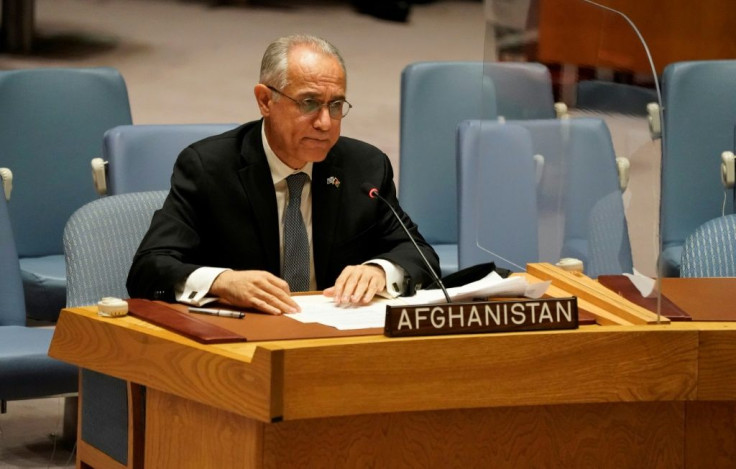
[322,119]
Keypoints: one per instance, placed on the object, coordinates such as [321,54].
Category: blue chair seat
[26,370]
[24,357]
[44,286]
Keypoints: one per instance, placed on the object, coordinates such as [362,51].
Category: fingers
[255,289]
[261,290]
[270,294]
[357,284]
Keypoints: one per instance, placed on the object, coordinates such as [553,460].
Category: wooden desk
[615,396]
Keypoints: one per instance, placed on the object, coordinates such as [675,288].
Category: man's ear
[263,98]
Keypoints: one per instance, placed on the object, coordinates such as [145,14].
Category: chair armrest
[7,178]
[622,165]
[99,175]
[561,110]
[728,169]
[655,122]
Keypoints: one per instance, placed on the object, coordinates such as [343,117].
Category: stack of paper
[321,309]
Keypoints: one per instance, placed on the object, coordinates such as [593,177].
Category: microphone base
[482,317]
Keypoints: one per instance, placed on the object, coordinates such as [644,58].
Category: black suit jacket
[221,212]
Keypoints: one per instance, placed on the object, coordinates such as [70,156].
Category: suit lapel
[255,177]
[326,196]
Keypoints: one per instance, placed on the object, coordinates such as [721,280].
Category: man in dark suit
[221,231]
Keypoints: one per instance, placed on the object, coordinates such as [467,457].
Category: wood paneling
[710,439]
[590,365]
[184,434]
[566,436]
[575,32]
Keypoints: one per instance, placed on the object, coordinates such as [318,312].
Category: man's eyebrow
[315,95]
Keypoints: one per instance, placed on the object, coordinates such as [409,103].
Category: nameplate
[482,317]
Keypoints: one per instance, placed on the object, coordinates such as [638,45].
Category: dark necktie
[296,243]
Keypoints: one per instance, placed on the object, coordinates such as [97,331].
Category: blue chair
[51,124]
[497,202]
[435,98]
[699,115]
[579,195]
[100,240]
[26,370]
[710,251]
[568,168]
[139,158]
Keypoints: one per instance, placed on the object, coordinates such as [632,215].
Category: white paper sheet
[321,309]
[647,286]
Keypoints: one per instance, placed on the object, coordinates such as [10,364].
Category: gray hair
[275,64]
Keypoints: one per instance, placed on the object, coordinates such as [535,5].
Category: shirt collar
[279,169]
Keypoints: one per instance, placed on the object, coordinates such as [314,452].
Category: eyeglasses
[337,109]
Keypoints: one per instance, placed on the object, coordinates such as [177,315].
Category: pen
[218,312]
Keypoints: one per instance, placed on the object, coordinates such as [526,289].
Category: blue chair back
[699,116]
[570,206]
[497,195]
[710,251]
[141,157]
[523,90]
[435,98]
[579,196]
[51,125]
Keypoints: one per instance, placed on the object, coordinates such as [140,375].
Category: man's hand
[357,284]
[254,289]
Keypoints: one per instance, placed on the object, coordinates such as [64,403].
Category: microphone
[373,193]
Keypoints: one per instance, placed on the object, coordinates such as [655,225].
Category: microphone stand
[373,194]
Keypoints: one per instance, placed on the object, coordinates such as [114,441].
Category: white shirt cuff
[197,285]
[395,278]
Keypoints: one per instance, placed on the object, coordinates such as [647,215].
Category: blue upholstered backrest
[435,98]
[574,210]
[100,240]
[579,196]
[12,304]
[140,157]
[710,251]
[497,195]
[699,118]
[523,90]
[51,126]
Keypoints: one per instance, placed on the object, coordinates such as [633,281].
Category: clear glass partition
[568,159]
